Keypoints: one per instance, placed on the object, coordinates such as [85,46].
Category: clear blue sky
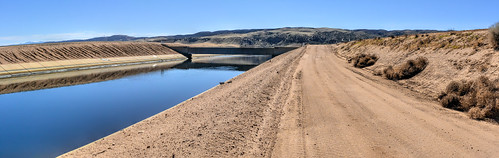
[46,20]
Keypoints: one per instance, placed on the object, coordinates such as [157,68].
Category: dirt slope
[78,50]
[451,55]
[341,113]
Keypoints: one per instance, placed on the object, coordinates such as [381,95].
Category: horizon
[35,21]
[64,40]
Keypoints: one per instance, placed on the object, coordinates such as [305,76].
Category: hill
[289,36]
[106,38]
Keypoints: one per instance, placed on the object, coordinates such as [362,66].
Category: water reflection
[44,81]
[239,62]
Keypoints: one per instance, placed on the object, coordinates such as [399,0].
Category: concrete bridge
[188,51]
[194,65]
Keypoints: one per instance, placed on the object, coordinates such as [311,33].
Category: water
[50,122]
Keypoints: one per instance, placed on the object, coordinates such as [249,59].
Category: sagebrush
[407,70]
[479,97]
[494,36]
[364,60]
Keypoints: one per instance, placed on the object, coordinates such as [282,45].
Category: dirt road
[341,113]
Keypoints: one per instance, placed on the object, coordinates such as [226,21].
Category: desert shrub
[450,101]
[459,88]
[476,113]
[390,73]
[407,70]
[453,86]
[479,97]
[364,60]
[494,36]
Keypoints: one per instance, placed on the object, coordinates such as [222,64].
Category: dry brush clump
[363,60]
[480,97]
[406,70]
[494,36]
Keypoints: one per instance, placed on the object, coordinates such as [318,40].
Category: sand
[305,103]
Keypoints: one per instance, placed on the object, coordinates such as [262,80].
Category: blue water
[50,122]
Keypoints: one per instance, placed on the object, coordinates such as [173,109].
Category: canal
[46,118]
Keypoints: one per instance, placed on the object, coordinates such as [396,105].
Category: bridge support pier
[189,56]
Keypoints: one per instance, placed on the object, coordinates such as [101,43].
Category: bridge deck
[188,51]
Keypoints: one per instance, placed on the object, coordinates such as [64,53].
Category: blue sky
[48,20]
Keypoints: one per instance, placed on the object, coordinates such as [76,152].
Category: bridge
[188,51]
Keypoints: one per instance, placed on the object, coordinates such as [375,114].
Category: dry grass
[478,97]
[406,70]
[363,60]
[434,41]
[494,36]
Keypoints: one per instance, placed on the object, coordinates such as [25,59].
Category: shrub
[494,36]
[450,101]
[459,88]
[453,87]
[480,97]
[476,113]
[406,70]
[364,60]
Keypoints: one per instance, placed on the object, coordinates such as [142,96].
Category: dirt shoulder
[239,118]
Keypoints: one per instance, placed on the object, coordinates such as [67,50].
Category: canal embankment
[26,60]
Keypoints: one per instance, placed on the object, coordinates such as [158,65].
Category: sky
[53,20]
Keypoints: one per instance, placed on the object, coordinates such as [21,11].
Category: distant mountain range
[293,36]
[107,38]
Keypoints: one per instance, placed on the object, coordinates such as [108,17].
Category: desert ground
[309,103]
